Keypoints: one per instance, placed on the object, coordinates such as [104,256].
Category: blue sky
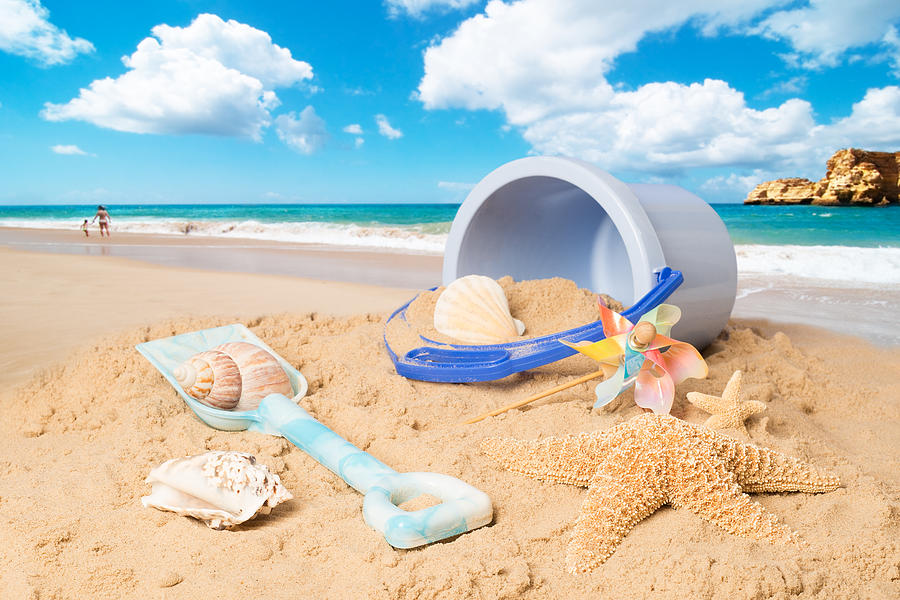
[416,100]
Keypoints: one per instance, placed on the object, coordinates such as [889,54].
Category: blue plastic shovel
[462,509]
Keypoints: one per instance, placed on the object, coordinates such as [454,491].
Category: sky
[416,100]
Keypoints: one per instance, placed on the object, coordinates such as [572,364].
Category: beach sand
[83,419]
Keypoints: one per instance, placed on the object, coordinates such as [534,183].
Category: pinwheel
[642,354]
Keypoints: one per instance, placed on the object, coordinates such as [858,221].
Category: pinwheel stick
[531,399]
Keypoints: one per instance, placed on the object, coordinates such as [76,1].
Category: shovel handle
[281,416]
[463,507]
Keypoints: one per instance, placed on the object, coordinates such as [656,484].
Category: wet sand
[393,269]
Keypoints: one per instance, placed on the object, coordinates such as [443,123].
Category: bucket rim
[643,248]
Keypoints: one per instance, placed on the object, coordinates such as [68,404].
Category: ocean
[852,245]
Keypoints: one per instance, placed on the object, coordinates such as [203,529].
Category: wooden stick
[530,399]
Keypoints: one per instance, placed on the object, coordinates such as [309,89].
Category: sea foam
[833,263]
[849,264]
[419,238]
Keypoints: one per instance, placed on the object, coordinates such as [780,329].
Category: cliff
[854,178]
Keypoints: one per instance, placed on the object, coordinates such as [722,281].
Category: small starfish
[731,410]
[638,466]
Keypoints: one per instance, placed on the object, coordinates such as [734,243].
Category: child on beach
[84,228]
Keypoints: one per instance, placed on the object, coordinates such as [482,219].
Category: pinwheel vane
[642,354]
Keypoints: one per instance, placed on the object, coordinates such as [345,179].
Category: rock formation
[854,178]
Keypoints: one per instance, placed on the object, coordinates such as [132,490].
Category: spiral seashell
[211,377]
[260,372]
[473,309]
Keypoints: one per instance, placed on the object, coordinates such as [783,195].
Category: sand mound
[80,438]
[545,306]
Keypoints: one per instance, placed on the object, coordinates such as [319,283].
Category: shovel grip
[280,416]
[462,508]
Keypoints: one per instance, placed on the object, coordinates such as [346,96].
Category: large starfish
[730,410]
[638,466]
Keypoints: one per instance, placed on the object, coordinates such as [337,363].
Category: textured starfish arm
[612,508]
[705,402]
[707,489]
[570,459]
[724,422]
[752,407]
[763,470]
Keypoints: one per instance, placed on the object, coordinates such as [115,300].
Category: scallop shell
[223,489]
[261,373]
[211,377]
[473,309]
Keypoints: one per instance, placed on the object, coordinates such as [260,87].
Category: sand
[80,435]
[52,304]
[545,306]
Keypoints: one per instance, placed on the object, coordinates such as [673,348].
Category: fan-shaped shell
[261,373]
[211,377]
[222,489]
[473,309]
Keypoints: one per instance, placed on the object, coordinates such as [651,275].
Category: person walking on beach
[84,228]
[104,220]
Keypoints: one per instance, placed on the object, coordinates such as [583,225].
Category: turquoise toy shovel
[462,509]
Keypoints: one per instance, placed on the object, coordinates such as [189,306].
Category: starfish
[636,467]
[731,410]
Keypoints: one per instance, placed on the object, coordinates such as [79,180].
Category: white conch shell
[223,489]
[211,377]
[261,373]
[473,309]
[234,375]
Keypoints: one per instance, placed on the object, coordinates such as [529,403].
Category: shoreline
[326,263]
[280,277]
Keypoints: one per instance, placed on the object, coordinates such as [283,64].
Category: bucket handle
[457,363]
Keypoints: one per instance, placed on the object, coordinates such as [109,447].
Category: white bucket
[544,216]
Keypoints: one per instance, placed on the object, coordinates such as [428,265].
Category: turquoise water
[764,225]
[359,214]
[812,225]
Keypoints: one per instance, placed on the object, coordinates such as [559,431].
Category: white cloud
[792,85]
[417,8]
[891,41]
[237,46]
[25,30]
[359,91]
[873,124]
[537,57]
[739,185]
[69,149]
[212,77]
[305,133]
[456,186]
[544,63]
[822,32]
[385,129]
[353,128]
[358,142]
